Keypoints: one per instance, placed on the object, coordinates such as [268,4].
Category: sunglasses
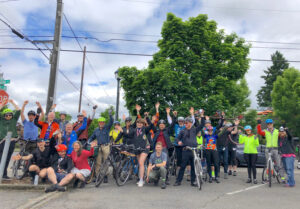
[8,115]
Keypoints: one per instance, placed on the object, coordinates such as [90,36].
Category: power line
[91,66]
[129,54]
[41,50]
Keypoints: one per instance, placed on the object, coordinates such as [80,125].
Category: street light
[118,93]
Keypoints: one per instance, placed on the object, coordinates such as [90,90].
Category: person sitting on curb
[60,171]
[81,168]
[157,166]
[40,158]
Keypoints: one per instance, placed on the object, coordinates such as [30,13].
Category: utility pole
[82,76]
[118,94]
[54,59]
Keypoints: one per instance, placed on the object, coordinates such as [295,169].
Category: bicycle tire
[270,174]
[123,171]
[198,171]
[102,172]
[20,169]
[92,163]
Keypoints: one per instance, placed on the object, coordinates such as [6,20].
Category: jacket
[65,164]
[286,144]
[69,144]
[251,143]
[81,128]
[102,135]
[9,125]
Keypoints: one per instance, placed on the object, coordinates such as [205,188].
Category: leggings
[212,158]
[251,162]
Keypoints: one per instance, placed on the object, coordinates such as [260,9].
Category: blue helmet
[269,121]
[247,127]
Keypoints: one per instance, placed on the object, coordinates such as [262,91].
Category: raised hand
[124,117]
[168,109]
[53,106]
[38,104]
[157,105]
[146,114]
[192,111]
[175,113]
[25,102]
[138,108]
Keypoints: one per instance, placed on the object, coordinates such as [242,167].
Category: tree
[279,65]
[197,65]
[286,99]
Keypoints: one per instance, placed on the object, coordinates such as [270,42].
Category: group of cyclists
[57,151]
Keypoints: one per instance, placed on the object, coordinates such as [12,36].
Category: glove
[109,111]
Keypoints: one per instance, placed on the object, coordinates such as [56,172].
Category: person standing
[8,123]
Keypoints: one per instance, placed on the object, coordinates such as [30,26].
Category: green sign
[3,87]
[4,81]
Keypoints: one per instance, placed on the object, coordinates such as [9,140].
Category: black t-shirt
[42,159]
[234,138]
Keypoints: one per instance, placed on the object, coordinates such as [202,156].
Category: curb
[22,187]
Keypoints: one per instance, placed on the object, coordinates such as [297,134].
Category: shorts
[60,176]
[147,151]
[84,172]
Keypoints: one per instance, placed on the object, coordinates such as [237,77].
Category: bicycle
[198,166]
[128,165]
[20,167]
[111,160]
[92,163]
[173,164]
[270,170]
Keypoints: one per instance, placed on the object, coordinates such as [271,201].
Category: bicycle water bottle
[36,180]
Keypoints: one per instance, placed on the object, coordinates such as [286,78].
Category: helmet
[248,127]
[281,129]
[128,119]
[228,124]
[79,114]
[101,119]
[117,123]
[207,122]
[269,121]
[63,113]
[210,128]
[40,140]
[161,122]
[188,119]
[61,147]
[31,112]
[181,119]
[7,111]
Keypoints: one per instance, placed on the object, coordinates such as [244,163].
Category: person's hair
[140,120]
[80,147]
[69,124]
[159,143]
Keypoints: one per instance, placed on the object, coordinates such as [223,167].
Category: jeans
[288,163]
[187,158]
[251,164]
[223,157]
[161,172]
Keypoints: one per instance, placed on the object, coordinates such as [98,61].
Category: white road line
[246,189]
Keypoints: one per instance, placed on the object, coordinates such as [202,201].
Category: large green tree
[279,65]
[196,65]
[286,99]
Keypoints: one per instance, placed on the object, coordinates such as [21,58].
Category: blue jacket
[177,131]
[73,138]
[102,135]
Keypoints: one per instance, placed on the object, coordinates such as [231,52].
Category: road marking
[39,201]
[243,190]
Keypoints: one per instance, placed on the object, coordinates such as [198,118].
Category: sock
[213,174]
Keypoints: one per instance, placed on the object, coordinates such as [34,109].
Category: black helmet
[128,119]
[161,122]
[31,112]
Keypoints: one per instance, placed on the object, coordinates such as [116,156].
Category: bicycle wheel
[92,163]
[172,168]
[102,172]
[20,169]
[123,172]
[270,173]
[198,172]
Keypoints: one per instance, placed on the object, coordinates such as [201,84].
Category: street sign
[3,87]
[3,96]
[4,81]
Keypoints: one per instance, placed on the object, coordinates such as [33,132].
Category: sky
[103,20]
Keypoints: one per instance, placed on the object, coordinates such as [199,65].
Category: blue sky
[103,19]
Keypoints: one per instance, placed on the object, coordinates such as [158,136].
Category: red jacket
[83,134]
[54,127]
[81,162]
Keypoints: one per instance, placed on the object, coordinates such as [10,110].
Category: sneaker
[177,183]
[248,181]
[163,185]
[193,184]
[229,172]
[210,180]
[225,175]
[287,185]
[254,181]
[60,188]
[234,173]
[51,188]
[141,184]
[75,183]
[217,180]
[5,177]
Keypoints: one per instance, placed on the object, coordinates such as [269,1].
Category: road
[232,193]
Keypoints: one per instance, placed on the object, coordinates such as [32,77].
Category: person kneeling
[60,171]
[157,166]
